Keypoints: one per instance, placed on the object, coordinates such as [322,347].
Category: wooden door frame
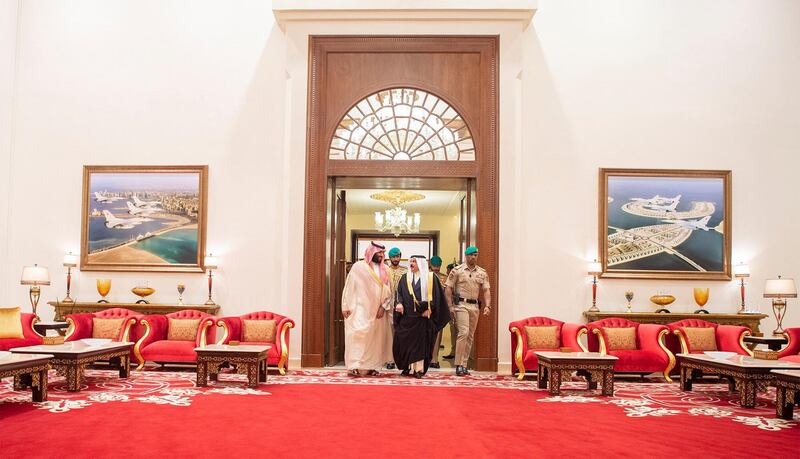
[319,168]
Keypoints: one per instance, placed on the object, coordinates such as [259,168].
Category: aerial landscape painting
[139,218]
[665,224]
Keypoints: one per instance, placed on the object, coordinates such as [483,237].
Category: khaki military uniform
[394,278]
[468,285]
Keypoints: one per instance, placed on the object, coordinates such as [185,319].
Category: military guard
[465,284]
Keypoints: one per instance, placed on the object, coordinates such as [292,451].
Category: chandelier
[396,219]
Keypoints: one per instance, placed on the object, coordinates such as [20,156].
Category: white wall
[619,83]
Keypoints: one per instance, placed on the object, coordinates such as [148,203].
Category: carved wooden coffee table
[28,370]
[70,359]
[250,360]
[594,366]
[747,375]
[787,383]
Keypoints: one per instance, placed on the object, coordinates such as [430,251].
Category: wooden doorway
[344,70]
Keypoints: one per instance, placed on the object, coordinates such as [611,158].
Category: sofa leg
[666,376]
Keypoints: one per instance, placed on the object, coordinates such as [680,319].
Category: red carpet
[322,413]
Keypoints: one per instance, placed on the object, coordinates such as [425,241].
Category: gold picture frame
[134,208]
[665,224]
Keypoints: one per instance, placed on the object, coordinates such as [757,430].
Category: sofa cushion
[639,361]
[11,323]
[700,339]
[620,338]
[106,328]
[542,337]
[259,330]
[170,351]
[182,329]
[11,343]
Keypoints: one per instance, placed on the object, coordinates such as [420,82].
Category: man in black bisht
[420,312]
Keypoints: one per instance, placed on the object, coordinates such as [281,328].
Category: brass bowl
[142,292]
[662,300]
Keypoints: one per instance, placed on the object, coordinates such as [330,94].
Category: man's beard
[395,263]
[376,258]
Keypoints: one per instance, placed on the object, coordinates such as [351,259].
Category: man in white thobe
[365,300]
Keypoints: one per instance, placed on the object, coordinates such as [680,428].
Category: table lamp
[595,268]
[210,264]
[35,276]
[741,271]
[779,289]
[70,261]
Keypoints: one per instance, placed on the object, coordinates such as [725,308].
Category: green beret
[436,260]
[394,252]
[470,250]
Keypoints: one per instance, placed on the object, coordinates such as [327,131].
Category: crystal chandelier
[396,219]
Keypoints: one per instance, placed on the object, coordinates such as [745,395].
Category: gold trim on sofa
[662,342]
[742,336]
[34,322]
[137,348]
[581,332]
[601,340]
[518,354]
[284,349]
[225,331]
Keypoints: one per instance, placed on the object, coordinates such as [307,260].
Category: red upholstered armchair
[171,339]
[279,353]
[791,353]
[726,337]
[644,352]
[523,349]
[82,326]
[29,335]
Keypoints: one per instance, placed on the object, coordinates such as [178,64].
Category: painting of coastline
[665,224]
[142,218]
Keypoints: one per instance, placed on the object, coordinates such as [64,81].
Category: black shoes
[390,366]
[461,371]
[406,372]
[418,374]
[435,365]
[449,356]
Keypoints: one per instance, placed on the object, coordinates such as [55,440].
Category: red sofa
[155,347]
[525,356]
[81,325]
[651,354]
[278,354]
[729,338]
[791,353]
[30,337]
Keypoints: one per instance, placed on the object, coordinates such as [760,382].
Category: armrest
[28,332]
[232,327]
[206,331]
[155,329]
[793,346]
[518,349]
[570,336]
[80,326]
[731,338]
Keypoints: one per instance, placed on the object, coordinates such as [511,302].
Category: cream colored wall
[619,83]
[447,225]
[8,52]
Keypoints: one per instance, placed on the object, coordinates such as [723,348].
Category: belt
[467,300]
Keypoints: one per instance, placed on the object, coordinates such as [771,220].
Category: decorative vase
[701,298]
[143,292]
[629,297]
[181,289]
[103,287]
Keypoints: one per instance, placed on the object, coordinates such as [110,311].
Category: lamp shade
[35,275]
[595,267]
[211,262]
[70,260]
[741,270]
[780,288]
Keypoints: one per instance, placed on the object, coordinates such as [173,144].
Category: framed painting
[144,218]
[665,224]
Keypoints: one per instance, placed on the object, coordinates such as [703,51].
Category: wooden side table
[251,360]
[774,343]
[787,383]
[42,327]
[593,365]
